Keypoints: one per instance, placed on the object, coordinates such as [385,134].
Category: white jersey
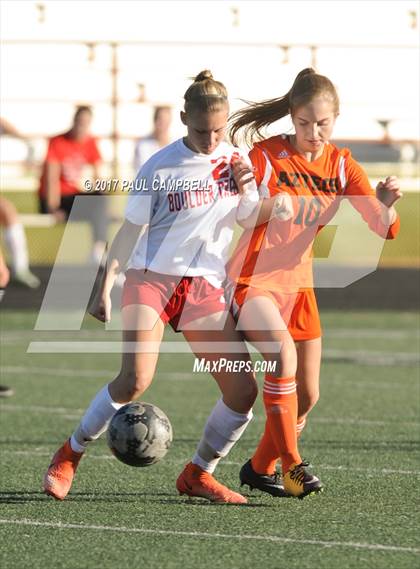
[189,202]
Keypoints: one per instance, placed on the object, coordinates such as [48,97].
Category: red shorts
[299,310]
[174,298]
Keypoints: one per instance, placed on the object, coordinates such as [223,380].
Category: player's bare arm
[118,257]
[53,188]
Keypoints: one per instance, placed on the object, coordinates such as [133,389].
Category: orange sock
[266,456]
[280,438]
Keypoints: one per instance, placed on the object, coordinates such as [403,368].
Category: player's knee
[135,382]
[249,392]
[285,359]
[242,395]
[288,358]
[307,401]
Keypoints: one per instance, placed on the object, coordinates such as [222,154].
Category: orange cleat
[194,481]
[60,473]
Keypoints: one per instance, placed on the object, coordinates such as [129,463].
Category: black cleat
[269,483]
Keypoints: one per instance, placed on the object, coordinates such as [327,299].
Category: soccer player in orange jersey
[272,263]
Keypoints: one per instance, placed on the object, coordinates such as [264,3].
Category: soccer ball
[139,434]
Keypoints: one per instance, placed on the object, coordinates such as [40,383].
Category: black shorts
[66,203]
[93,211]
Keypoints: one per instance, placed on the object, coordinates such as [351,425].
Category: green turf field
[361,439]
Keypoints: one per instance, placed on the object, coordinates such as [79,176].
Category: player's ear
[183,116]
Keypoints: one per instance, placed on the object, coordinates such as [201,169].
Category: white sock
[223,428]
[15,239]
[95,421]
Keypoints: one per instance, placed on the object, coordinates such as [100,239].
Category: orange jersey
[278,255]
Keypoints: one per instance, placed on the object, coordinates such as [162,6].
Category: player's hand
[283,207]
[244,176]
[389,192]
[101,307]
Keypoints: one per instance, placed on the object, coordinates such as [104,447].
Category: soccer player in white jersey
[185,202]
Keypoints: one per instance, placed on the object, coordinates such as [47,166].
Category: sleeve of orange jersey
[242,262]
[258,160]
[363,198]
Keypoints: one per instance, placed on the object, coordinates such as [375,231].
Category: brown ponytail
[205,94]
[254,118]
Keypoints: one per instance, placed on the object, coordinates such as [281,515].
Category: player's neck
[74,135]
[309,156]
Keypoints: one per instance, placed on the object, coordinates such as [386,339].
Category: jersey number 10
[313,210]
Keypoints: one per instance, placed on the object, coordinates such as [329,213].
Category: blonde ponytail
[205,94]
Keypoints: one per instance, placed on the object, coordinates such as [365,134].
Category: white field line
[72,413]
[95,347]
[357,421]
[208,535]
[339,468]
[69,372]
[370,333]
[25,335]
[369,357]
[176,376]
[106,373]
[172,376]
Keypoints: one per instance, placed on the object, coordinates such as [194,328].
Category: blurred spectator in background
[160,137]
[61,178]
[5,391]
[15,241]
[14,234]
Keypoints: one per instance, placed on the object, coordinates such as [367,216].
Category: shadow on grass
[54,444]
[19,497]
[26,441]
[23,497]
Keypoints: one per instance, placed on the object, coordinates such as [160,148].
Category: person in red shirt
[272,263]
[67,155]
